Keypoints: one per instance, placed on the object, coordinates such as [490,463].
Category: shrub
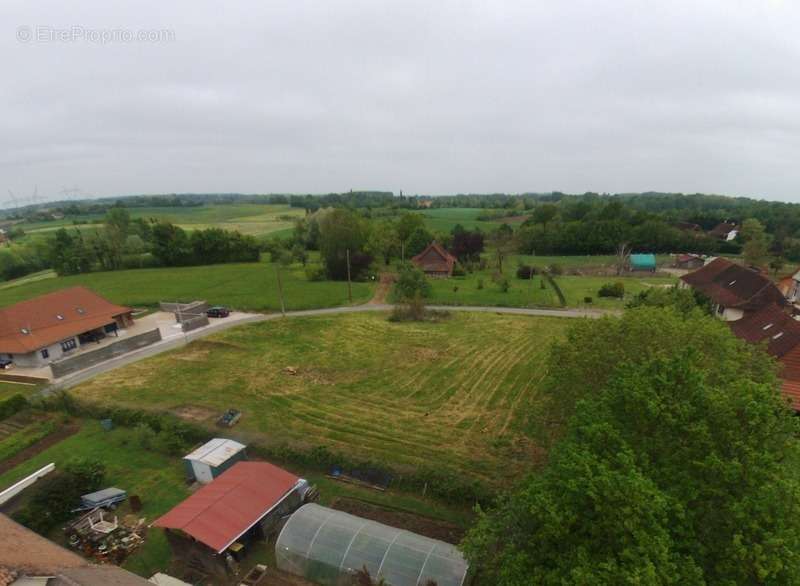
[12,405]
[612,290]
[480,284]
[458,270]
[526,271]
[587,299]
[315,273]
[412,283]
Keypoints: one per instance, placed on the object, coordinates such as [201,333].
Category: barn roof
[435,259]
[722,229]
[770,324]
[733,285]
[221,511]
[39,322]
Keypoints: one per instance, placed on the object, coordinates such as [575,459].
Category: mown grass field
[245,286]
[454,394]
[253,219]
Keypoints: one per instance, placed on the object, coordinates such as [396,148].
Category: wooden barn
[435,261]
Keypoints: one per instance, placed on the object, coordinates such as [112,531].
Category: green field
[245,286]
[523,293]
[444,219]
[253,219]
[454,394]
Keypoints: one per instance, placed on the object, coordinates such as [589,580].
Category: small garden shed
[213,458]
[329,547]
[643,262]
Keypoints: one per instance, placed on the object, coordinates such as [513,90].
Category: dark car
[5,363]
[218,311]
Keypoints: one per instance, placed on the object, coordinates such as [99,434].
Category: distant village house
[435,261]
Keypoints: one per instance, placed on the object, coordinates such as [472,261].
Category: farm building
[724,231]
[329,546]
[643,262]
[214,526]
[689,261]
[213,458]
[435,261]
[38,331]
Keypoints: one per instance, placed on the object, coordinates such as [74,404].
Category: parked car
[218,311]
[6,363]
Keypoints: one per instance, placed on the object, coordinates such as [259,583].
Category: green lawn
[444,219]
[8,389]
[523,293]
[245,286]
[455,394]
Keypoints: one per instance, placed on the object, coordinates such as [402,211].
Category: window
[720,309]
[25,331]
[59,316]
[778,335]
[766,327]
[45,353]
[68,345]
[80,310]
[732,283]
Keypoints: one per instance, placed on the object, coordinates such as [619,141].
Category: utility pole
[349,286]
[280,289]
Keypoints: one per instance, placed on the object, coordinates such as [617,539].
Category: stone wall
[185,311]
[194,323]
[87,359]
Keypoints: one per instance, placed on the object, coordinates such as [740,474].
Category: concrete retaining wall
[19,378]
[185,311]
[195,322]
[87,359]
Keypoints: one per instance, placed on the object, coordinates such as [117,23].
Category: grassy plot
[445,219]
[157,479]
[246,286]
[480,289]
[453,394]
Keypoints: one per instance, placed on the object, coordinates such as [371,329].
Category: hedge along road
[179,340]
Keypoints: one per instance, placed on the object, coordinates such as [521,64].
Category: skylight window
[778,335]
[81,310]
[766,327]
[731,283]
[25,331]
[59,316]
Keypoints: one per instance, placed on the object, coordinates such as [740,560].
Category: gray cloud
[428,97]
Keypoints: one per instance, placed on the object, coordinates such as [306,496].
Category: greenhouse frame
[329,546]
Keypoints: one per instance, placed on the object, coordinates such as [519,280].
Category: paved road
[179,340]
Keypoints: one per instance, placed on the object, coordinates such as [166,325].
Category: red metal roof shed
[220,512]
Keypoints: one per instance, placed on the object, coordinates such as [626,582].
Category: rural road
[179,340]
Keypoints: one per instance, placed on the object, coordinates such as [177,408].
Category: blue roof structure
[643,262]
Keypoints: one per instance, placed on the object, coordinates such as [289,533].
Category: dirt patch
[274,577]
[194,413]
[59,435]
[382,291]
[513,219]
[433,528]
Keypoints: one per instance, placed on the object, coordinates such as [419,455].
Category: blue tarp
[643,262]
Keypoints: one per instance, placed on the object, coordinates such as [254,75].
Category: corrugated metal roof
[220,512]
[215,452]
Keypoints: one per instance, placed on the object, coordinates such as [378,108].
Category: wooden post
[349,286]
[280,289]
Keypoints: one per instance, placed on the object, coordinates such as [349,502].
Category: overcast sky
[425,96]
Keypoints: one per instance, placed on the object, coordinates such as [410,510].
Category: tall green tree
[756,242]
[341,231]
[668,474]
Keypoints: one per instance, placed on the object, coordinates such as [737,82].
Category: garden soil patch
[433,528]
[40,446]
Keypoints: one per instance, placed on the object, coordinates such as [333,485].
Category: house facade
[44,329]
[734,290]
[435,261]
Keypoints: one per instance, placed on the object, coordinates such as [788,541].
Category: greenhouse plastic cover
[328,546]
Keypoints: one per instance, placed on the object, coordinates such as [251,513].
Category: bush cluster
[12,405]
[612,290]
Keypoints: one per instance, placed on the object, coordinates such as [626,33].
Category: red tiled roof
[733,285]
[435,259]
[770,324]
[224,509]
[722,229]
[81,309]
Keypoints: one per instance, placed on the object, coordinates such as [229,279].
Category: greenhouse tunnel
[329,546]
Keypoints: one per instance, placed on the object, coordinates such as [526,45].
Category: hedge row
[445,484]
